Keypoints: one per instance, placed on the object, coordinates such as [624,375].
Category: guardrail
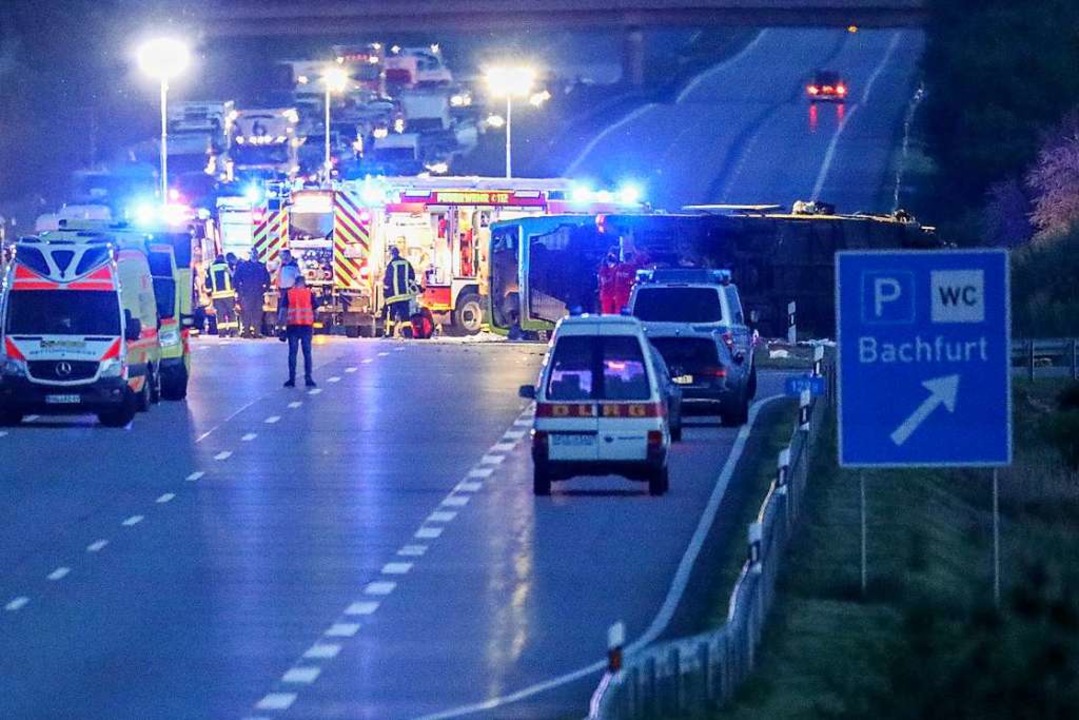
[1047,357]
[699,673]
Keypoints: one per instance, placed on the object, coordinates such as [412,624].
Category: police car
[694,317]
[601,406]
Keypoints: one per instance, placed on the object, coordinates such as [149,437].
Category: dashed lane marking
[469,486]
[249,437]
[314,391]
[59,573]
[492,459]
[295,404]
[223,455]
[412,551]
[97,546]
[428,533]
[32,418]
[333,379]
[350,369]
[167,497]
[480,472]
[380,588]
[272,419]
[343,630]
[396,568]
[367,361]
[301,675]
[456,501]
[383,354]
[442,516]
[17,604]
[323,651]
[514,434]
[276,701]
[362,608]
[197,475]
[132,521]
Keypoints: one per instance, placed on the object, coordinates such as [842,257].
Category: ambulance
[78,329]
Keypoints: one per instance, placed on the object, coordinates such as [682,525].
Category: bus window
[505,299]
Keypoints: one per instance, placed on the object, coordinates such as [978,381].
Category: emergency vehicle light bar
[684,275]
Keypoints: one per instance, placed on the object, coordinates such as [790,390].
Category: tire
[142,400]
[541,481]
[676,431]
[155,387]
[737,413]
[9,418]
[174,384]
[659,481]
[751,386]
[468,316]
[118,417]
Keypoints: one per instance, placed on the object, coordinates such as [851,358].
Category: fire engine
[341,235]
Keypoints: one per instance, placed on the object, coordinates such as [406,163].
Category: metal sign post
[924,374]
[865,533]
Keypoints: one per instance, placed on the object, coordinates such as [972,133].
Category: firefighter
[608,283]
[398,287]
[300,324]
[252,281]
[219,283]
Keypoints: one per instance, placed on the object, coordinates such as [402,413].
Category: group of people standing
[237,285]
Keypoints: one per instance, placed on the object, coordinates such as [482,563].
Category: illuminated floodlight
[380,132]
[581,194]
[510,81]
[629,194]
[163,58]
[335,79]
[605,196]
[496,121]
[539,98]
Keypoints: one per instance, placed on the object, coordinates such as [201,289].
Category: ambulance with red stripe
[79,329]
[601,405]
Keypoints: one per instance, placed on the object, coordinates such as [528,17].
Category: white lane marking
[426,533]
[314,391]
[323,651]
[276,701]
[503,447]
[833,144]
[721,66]
[362,608]
[302,675]
[442,516]
[350,369]
[249,437]
[333,379]
[3,433]
[514,434]
[368,361]
[383,354]
[456,501]
[17,604]
[97,546]
[32,418]
[412,551]
[132,521]
[480,472]
[674,594]
[396,568]
[399,349]
[343,630]
[380,588]
[59,573]
[522,422]
[492,459]
[167,497]
[197,475]
[466,486]
[295,404]
[272,419]
[223,455]
[572,169]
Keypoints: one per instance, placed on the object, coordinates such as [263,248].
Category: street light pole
[328,162]
[163,59]
[164,141]
[509,135]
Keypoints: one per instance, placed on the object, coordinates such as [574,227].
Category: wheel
[736,414]
[118,417]
[659,481]
[751,389]
[174,384]
[9,418]
[155,387]
[541,481]
[676,431]
[142,400]
[468,317]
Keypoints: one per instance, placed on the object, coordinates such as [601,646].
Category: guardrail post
[783,466]
[755,536]
[803,410]
[616,638]
[706,687]
[792,330]
[818,359]
[674,667]
[649,691]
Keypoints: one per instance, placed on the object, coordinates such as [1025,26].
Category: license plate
[63,399]
[566,440]
[683,380]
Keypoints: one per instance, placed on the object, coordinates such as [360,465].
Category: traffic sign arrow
[942,391]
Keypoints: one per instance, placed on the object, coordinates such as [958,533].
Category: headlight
[112,368]
[169,337]
[13,368]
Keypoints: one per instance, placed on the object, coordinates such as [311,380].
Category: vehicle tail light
[728,340]
[655,439]
[812,89]
[842,89]
[713,372]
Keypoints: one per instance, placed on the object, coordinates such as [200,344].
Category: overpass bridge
[268,18]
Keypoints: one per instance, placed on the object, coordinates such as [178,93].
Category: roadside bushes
[1063,425]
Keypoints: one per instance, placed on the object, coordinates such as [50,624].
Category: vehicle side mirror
[133,328]
[528,392]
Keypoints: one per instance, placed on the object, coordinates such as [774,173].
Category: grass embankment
[926,642]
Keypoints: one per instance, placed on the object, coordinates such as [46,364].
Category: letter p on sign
[887,297]
[958,296]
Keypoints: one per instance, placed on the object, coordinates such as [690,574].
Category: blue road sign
[923,343]
[795,384]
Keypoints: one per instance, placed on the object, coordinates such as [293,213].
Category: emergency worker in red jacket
[616,278]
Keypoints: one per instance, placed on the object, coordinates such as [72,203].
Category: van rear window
[687,355]
[587,367]
[678,304]
[63,312]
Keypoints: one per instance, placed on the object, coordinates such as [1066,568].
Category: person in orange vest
[299,326]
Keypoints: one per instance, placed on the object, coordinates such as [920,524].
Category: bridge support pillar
[633,56]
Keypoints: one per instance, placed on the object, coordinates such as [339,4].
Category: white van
[601,405]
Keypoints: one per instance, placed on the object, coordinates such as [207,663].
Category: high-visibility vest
[221,281]
[400,281]
[301,308]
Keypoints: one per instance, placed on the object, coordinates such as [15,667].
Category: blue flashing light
[629,194]
[253,194]
[581,194]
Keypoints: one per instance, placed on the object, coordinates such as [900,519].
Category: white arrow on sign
[942,391]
